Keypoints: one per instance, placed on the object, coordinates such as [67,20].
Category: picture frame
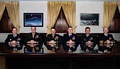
[33,19]
[87,19]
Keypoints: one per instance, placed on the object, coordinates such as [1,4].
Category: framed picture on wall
[33,19]
[89,19]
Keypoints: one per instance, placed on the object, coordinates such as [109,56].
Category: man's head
[87,30]
[53,31]
[14,30]
[105,30]
[33,29]
[70,30]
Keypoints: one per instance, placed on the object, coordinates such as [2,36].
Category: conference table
[55,53]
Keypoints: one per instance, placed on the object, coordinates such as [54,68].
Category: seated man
[106,40]
[70,42]
[14,41]
[53,37]
[106,37]
[87,41]
[33,38]
[53,40]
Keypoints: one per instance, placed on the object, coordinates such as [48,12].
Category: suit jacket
[37,37]
[66,38]
[83,41]
[18,38]
[56,38]
[104,38]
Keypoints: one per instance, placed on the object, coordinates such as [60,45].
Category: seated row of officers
[69,41]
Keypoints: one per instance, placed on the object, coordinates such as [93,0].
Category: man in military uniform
[87,40]
[70,40]
[53,37]
[14,41]
[106,41]
[53,41]
[106,37]
[33,38]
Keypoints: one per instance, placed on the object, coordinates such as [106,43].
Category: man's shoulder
[83,34]
[57,34]
[10,34]
[110,35]
[65,34]
[91,35]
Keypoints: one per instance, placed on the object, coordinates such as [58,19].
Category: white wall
[89,7]
[33,7]
[81,7]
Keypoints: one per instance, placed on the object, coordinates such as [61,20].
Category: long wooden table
[8,60]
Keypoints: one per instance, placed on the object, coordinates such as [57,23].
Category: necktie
[70,35]
[33,35]
[87,35]
[53,36]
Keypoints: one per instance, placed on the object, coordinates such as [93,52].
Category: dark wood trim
[61,55]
